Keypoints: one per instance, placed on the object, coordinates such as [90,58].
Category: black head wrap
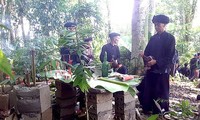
[112,35]
[160,19]
[88,39]
[70,24]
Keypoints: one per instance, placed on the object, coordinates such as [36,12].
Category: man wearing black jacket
[67,37]
[155,85]
[113,53]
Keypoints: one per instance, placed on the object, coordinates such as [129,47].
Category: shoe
[198,97]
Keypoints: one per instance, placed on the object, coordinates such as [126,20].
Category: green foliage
[187,35]
[48,14]
[4,27]
[85,13]
[81,75]
[88,18]
[186,51]
[5,66]
[46,50]
[183,110]
[153,117]
[67,38]
[125,57]
[7,82]
[98,43]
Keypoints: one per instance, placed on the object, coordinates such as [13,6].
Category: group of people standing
[160,50]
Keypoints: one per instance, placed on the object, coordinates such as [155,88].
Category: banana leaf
[114,85]
[5,66]
[110,84]
[62,75]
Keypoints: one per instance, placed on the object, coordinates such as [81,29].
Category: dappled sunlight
[121,13]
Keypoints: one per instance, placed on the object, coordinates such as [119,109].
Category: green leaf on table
[112,85]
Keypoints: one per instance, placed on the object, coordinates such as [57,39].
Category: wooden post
[33,66]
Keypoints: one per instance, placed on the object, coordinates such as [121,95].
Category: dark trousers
[81,98]
[154,86]
[122,70]
[66,55]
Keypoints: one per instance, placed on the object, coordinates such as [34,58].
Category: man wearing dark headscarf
[113,53]
[66,40]
[71,26]
[155,85]
[87,54]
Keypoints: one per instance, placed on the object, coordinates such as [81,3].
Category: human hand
[147,68]
[114,64]
[120,65]
[151,62]
[141,53]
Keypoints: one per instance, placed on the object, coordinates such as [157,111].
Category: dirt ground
[181,91]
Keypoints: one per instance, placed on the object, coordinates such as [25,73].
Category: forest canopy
[37,24]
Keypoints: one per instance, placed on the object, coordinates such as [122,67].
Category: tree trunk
[151,14]
[3,19]
[189,12]
[108,16]
[136,34]
[23,30]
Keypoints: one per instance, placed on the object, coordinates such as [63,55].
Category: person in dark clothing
[87,54]
[185,70]
[113,53]
[69,54]
[67,37]
[155,85]
[194,67]
[175,64]
[70,26]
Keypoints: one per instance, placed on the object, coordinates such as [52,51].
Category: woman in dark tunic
[155,85]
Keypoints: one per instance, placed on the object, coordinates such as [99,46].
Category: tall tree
[181,22]
[136,33]
[108,9]
[182,18]
[151,12]
[189,8]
